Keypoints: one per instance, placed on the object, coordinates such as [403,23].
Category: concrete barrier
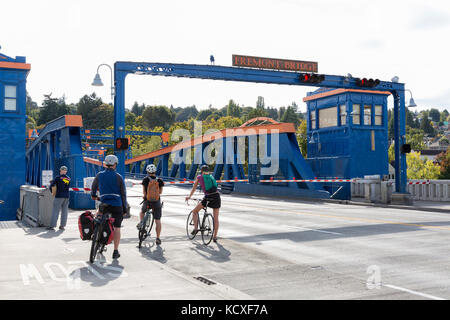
[426,190]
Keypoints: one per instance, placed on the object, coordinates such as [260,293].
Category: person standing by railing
[61,201]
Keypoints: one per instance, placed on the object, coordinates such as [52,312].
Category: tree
[426,126]
[302,138]
[421,169]
[202,115]
[130,118]
[233,110]
[415,138]
[137,109]
[260,103]
[85,108]
[184,114]
[255,113]
[435,115]
[52,108]
[444,115]
[281,113]
[444,162]
[158,116]
[290,116]
[101,117]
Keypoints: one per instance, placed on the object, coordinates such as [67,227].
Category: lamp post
[98,81]
[119,118]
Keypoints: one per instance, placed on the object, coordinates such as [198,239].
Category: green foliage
[158,116]
[100,117]
[52,108]
[302,138]
[426,126]
[85,108]
[185,114]
[421,169]
[290,116]
[444,162]
[254,113]
[137,109]
[202,115]
[233,110]
[415,138]
[434,115]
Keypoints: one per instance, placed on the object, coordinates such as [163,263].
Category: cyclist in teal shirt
[211,198]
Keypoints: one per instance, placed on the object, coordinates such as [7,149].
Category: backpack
[153,190]
[107,235]
[86,225]
[210,183]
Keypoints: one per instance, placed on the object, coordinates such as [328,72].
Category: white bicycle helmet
[151,168]
[111,160]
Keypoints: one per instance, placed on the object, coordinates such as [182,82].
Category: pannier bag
[107,235]
[86,225]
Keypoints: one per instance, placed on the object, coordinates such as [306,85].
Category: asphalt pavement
[267,249]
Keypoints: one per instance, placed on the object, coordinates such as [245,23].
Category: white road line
[296,227]
[414,292]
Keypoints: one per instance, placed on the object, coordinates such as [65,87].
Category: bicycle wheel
[207,228]
[146,227]
[95,244]
[190,225]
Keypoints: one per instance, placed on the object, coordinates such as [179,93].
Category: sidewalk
[42,264]
[433,206]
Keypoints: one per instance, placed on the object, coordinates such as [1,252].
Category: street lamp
[412,104]
[98,81]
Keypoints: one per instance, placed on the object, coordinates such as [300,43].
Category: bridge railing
[426,190]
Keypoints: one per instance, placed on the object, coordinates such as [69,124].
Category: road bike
[97,246]
[205,225]
[146,225]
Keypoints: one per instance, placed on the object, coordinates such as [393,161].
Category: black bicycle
[206,226]
[97,246]
[146,225]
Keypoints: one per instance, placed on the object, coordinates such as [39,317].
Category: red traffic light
[121,143]
[367,83]
[311,77]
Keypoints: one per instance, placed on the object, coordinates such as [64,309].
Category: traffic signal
[367,83]
[311,77]
[405,148]
[121,143]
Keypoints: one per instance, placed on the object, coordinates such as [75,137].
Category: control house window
[313,119]
[328,117]
[367,114]
[356,114]
[343,114]
[10,98]
[378,115]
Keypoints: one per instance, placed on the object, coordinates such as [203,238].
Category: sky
[65,42]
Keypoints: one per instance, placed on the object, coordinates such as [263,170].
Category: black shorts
[116,213]
[212,200]
[155,205]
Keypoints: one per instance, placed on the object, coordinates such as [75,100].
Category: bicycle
[146,225]
[97,246]
[206,227]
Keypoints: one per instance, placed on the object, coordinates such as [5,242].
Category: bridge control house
[13,76]
[347,135]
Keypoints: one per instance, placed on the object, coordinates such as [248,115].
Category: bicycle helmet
[204,168]
[151,168]
[111,160]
